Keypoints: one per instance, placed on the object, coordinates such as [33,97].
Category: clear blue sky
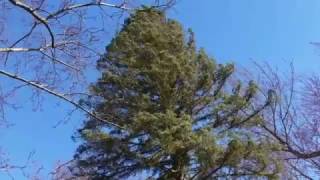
[275,31]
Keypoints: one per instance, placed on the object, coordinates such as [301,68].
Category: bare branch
[78,6]
[61,96]
[37,16]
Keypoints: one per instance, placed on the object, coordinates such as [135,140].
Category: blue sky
[240,31]
[245,30]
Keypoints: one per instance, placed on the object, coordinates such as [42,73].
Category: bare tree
[293,119]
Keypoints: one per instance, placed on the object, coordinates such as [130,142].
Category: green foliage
[180,119]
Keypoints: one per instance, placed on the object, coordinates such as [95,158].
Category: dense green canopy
[181,117]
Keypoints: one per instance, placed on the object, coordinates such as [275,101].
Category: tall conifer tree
[180,119]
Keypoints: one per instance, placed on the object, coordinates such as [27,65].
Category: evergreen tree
[180,119]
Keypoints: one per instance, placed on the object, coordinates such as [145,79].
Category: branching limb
[37,16]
